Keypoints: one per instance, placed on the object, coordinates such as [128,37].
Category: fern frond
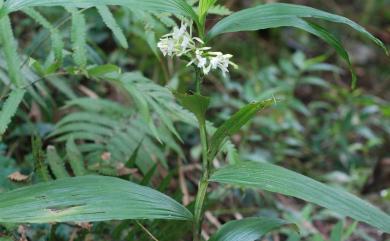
[56,163]
[75,158]
[39,159]
[56,39]
[9,109]
[79,37]
[11,55]
[111,23]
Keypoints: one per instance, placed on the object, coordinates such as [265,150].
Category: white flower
[178,33]
[166,45]
[180,42]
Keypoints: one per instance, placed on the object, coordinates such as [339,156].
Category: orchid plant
[101,198]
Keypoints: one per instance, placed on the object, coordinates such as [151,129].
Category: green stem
[203,183]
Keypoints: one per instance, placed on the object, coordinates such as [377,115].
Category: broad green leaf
[280,180]
[268,15]
[248,229]
[111,23]
[195,103]
[234,124]
[179,7]
[87,199]
[9,108]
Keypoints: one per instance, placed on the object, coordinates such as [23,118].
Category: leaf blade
[248,19]
[9,108]
[87,198]
[280,180]
[247,229]
[234,124]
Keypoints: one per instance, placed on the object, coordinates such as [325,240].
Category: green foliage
[9,109]
[88,198]
[172,6]
[247,229]
[109,20]
[92,117]
[234,124]
[79,38]
[277,179]
[75,158]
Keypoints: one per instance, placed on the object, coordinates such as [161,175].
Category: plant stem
[203,183]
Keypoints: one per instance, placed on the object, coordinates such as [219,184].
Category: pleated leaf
[248,229]
[179,7]
[9,108]
[280,180]
[262,16]
[234,124]
[87,199]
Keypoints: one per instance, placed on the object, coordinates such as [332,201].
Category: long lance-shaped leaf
[248,229]
[9,108]
[172,6]
[263,16]
[280,180]
[234,124]
[87,198]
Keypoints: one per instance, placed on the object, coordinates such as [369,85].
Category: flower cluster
[181,43]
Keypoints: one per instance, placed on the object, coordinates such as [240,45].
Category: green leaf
[9,108]
[56,39]
[280,180]
[87,199]
[111,23]
[179,7]
[9,47]
[267,15]
[234,124]
[248,229]
[79,37]
[75,158]
[40,167]
[195,103]
[56,163]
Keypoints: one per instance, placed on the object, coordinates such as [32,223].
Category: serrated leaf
[57,165]
[75,158]
[79,37]
[234,124]
[280,180]
[9,108]
[248,229]
[111,23]
[56,39]
[87,199]
[11,56]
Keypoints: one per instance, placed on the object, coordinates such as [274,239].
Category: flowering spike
[180,42]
